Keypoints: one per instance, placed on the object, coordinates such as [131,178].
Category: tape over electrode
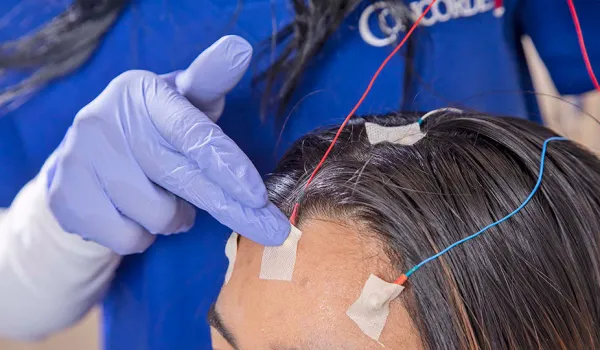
[278,262]
[406,135]
[372,308]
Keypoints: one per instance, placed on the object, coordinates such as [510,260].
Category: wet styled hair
[65,43]
[532,282]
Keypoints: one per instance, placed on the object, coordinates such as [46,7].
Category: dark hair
[531,282]
[64,44]
[58,48]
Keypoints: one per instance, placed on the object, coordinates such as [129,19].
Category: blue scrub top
[464,56]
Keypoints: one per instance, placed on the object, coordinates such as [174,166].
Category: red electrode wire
[584,53]
[337,135]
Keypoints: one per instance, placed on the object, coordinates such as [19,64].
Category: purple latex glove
[136,155]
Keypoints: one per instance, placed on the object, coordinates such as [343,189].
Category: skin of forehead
[333,262]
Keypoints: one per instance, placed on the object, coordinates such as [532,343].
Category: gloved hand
[136,155]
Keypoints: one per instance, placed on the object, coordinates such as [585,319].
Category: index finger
[266,225]
[199,139]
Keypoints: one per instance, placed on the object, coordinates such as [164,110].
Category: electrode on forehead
[403,135]
[370,311]
[231,252]
[278,262]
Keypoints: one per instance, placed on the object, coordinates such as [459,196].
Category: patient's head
[531,282]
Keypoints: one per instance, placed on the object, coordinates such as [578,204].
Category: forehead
[332,264]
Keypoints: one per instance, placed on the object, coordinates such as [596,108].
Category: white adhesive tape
[372,308]
[403,135]
[231,252]
[278,262]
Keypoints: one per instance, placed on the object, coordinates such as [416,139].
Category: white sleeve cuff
[49,278]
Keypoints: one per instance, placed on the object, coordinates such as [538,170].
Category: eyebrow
[215,320]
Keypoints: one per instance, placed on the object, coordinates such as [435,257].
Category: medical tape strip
[278,262]
[231,252]
[403,135]
[370,311]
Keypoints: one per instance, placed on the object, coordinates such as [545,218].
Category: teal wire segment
[535,189]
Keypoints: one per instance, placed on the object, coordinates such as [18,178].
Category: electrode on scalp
[403,135]
[406,135]
[372,308]
[278,262]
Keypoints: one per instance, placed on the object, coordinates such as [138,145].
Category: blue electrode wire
[537,186]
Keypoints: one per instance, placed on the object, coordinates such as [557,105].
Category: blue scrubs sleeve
[552,29]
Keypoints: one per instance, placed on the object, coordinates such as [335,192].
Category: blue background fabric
[160,298]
